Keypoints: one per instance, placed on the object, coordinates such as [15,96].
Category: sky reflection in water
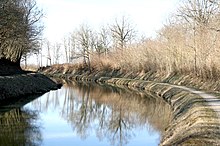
[86,115]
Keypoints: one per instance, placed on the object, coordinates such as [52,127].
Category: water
[84,115]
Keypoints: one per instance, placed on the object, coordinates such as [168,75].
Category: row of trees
[187,43]
[192,37]
[19,29]
[84,41]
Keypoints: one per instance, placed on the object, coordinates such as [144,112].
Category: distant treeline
[187,44]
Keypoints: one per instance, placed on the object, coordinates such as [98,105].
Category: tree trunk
[8,67]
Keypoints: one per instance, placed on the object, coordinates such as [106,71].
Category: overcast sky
[63,16]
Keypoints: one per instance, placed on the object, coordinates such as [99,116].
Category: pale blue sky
[63,16]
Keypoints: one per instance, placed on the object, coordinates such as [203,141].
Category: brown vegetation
[186,46]
[185,52]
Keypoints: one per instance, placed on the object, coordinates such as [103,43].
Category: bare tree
[102,41]
[39,54]
[85,42]
[57,52]
[122,32]
[73,46]
[199,11]
[66,49]
[70,45]
[19,29]
[48,53]
[199,15]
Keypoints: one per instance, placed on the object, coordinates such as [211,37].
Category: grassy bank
[194,120]
[106,68]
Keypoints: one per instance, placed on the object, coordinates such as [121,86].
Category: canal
[84,115]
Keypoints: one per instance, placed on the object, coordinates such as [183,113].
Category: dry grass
[176,50]
[30,67]
[173,55]
[166,57]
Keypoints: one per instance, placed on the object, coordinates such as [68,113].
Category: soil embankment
[195,113]
[16,86]
[16,83]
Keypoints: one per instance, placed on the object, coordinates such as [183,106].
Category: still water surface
[84,115]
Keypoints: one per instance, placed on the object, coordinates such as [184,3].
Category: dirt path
[212,101]
[196,119]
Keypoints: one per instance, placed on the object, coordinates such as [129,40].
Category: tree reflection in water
[18,128]
[113,113]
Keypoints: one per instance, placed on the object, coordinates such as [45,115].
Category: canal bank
[17,84]
[195,113]
[183,79]
[15,87]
